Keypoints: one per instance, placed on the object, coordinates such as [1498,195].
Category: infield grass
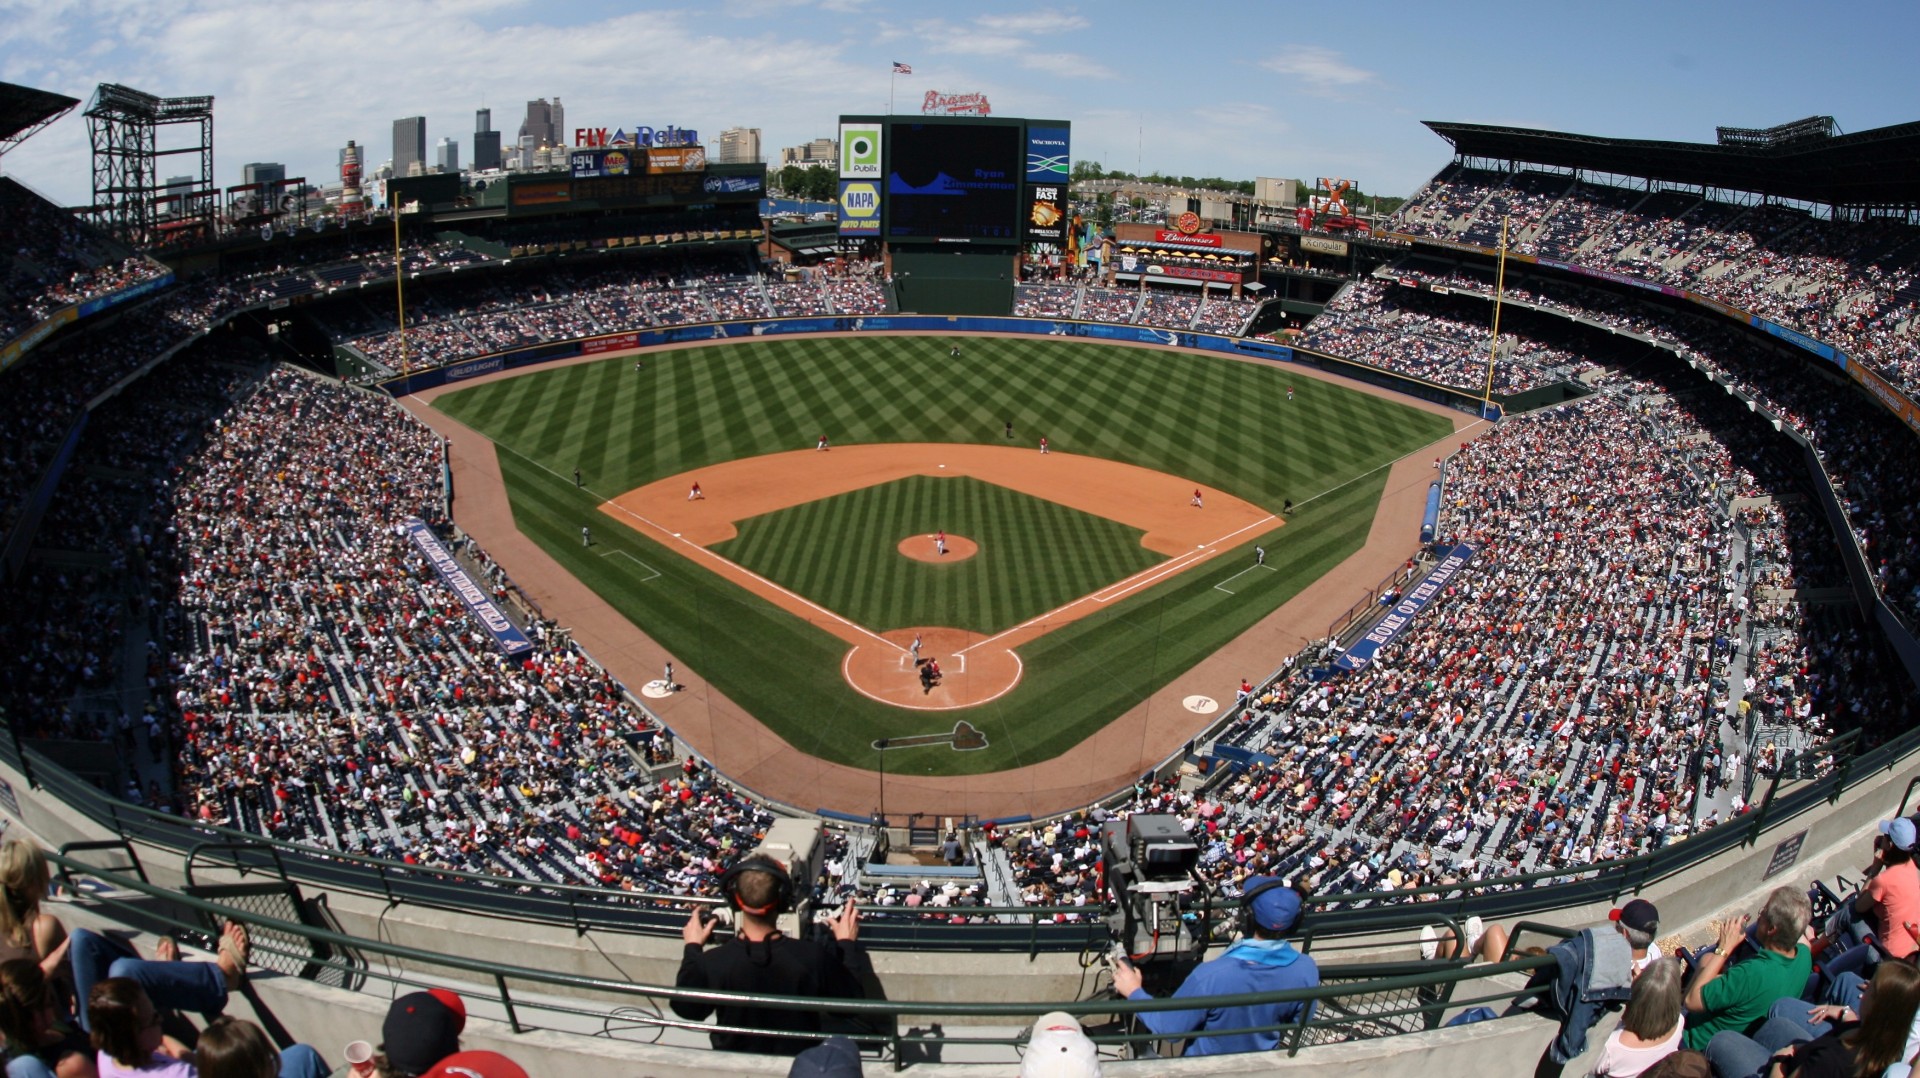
[1218,422]
[842,553]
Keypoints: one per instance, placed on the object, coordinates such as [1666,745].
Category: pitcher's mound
[921,548]
[970,673]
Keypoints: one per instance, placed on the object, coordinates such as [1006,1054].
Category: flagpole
[890,80]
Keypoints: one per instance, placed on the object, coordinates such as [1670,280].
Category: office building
[446,155]
[740,146]
[409,146]
[542,125]
[486,142]
[821,151]
[263,172]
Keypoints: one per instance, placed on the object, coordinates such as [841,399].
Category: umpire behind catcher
[760,958]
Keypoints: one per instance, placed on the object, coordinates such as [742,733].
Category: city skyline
[1254,93]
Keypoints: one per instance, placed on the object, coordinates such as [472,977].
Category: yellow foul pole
[1499,291]
[400,295]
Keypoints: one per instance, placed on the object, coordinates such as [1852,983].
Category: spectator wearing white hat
[1059,1048]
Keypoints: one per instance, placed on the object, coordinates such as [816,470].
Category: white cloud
[1033,23]
[1070,65]
[1321,70]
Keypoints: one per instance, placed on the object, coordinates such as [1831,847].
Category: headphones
[1247,925]
[783,889]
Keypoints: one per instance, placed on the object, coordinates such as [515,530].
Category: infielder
[940,543]
[1043,445]
[1195,502]
[694,495]
[821,446]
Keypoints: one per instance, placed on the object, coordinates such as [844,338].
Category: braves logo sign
[955,104]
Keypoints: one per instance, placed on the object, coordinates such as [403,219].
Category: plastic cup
[360,1058]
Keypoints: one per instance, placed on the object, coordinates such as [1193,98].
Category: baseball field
[1075,582]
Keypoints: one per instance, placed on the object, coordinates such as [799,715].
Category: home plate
[657,689]
[1201,705]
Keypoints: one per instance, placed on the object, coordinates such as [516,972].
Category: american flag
[902,69]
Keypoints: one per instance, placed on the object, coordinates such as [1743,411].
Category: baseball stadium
[456,593]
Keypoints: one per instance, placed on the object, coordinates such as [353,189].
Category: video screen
[954,183]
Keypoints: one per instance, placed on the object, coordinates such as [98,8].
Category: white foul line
[696,547]
[636,561]
[1138,580]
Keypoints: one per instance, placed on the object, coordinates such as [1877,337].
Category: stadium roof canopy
[25,110]
[1880,167]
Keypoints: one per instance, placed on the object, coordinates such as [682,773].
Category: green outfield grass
[1219,422]
[843,553]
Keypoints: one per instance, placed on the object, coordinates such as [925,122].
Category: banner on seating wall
[1452,563]
[511,641]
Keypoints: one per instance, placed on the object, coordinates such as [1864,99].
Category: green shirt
[1738,999]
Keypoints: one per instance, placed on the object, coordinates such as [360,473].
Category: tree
[1088,170]
[791,180]
[821,184]
[1103,212]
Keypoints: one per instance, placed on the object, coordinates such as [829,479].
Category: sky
[1232,89]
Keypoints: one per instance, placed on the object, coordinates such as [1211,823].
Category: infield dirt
[1159,505]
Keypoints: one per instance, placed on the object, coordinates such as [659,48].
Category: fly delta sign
[662,137]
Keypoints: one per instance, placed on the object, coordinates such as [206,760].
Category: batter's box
[636,561]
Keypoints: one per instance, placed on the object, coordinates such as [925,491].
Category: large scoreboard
[965,181]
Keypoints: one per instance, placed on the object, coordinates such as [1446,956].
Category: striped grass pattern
[1219,422]
[842,553]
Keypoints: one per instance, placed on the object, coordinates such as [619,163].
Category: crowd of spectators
[56,261]
[1562,703]
[1045,300]
[1224,314]
[1109,304]
[1863,448]
[1848,283]
[326,688]
[1168,308]
[1440,338]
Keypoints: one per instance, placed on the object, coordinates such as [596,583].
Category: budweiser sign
[937,103]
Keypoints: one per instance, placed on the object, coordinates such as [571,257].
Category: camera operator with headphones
[1262,961]
[760,958]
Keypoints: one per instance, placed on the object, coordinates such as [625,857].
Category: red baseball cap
[476,1065]
[1639,915]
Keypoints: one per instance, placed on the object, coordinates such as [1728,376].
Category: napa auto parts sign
[939,104]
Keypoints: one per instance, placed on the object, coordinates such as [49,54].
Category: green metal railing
[589,908]
[1352,1001]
